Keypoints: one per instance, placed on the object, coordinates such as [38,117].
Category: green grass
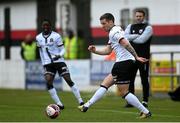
[29,106]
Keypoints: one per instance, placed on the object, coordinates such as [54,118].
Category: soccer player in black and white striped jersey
[121,71]
[51,50]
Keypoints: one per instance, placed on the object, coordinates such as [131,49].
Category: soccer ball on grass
[52,111]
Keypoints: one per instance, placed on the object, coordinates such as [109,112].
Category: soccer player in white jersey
[51,50]
[121,71]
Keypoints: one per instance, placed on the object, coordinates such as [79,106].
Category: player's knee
[104,86]
[49,78]
[124,95]
[70,83]
[49,86]
[68,80]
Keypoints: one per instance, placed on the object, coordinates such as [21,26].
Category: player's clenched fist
[92,48]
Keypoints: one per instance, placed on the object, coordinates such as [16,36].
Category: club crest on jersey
[51,39]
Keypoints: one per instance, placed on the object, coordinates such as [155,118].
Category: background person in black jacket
[139,34]
[175,95]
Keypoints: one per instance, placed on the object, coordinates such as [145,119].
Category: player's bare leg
[108,81]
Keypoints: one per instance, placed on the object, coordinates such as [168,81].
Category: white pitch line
[128,112]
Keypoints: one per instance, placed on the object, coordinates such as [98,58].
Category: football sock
[133,100]
[54,96]
[76,93]
[98,95]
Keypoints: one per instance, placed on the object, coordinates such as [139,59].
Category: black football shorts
[59,67]
[121,71]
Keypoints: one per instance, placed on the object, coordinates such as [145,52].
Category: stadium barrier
[34,77]
[88,74]
[164,71]
[12,74]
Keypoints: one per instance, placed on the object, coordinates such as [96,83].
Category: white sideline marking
[128,112]
[123,112]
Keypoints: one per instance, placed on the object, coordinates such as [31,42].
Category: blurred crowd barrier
[165,71]
[88,74]
[34,77]
[12,74]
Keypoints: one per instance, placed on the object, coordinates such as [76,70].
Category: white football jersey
[49,47]
[115,34]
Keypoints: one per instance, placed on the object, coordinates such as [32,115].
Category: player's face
[46,28]
[139,17]
[106,24]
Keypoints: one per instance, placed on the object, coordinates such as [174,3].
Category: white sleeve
[59,41]
[62,52]
[118,35]
[60,45]
[37,43]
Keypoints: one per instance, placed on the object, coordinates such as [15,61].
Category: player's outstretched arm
[105,51]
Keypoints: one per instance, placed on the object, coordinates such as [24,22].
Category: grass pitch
[29,106]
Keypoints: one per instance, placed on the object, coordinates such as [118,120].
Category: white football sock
[98,95]
[76,93]
[54,96]
[133,100]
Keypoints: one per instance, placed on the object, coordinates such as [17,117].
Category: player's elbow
[108,52]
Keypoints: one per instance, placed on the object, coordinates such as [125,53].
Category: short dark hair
[46,21]
[141,11]
[107,16]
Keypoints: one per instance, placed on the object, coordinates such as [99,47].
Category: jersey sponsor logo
[123,82]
